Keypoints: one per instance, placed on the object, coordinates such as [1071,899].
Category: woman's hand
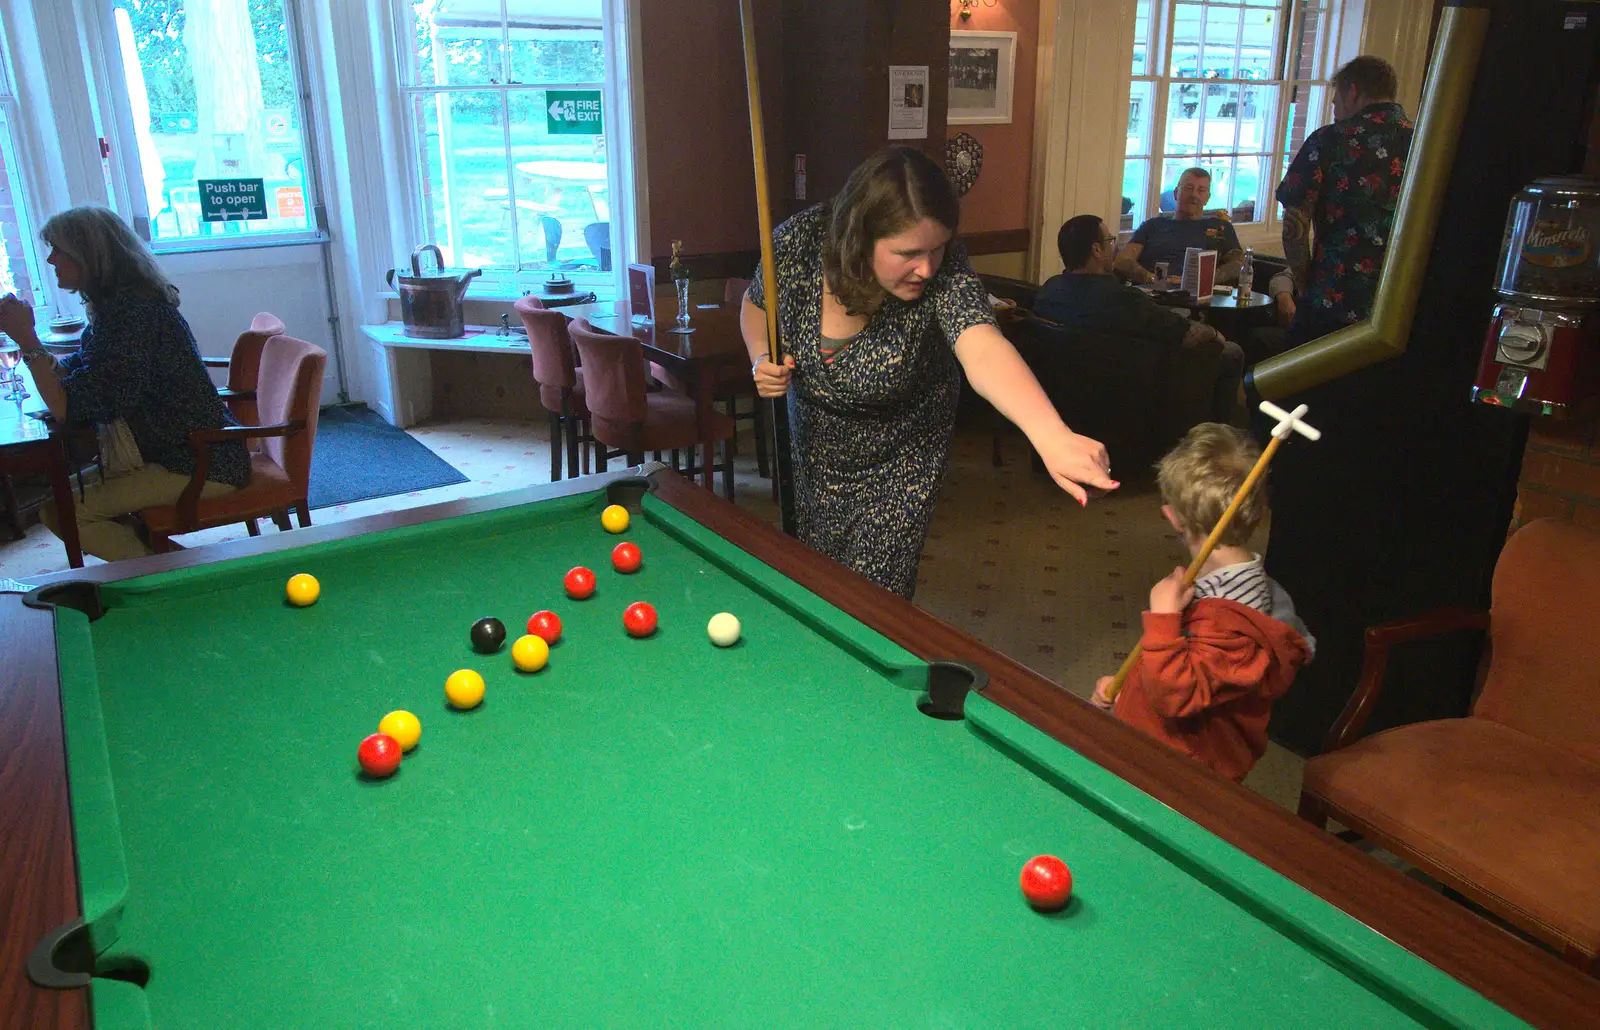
[773,380]
[16,318]
[1072,460]
[1102,698]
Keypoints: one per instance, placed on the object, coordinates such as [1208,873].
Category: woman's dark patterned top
[1347,178]
[138,362]
[870,421]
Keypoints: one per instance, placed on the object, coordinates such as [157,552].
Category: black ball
[488,635]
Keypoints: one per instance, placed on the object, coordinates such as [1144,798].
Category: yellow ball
[404,727]
[530,653]
[615,519]
[302,590]
[464,689]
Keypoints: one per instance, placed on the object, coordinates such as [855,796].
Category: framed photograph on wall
[983,68]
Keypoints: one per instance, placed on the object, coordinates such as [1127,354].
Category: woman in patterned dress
[876,308]
[137,366]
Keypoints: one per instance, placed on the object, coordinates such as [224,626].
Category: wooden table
[697,358]
[27,446]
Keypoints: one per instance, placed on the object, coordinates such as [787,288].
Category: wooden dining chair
[288,396]
[244,364]
[627,419]
[735,383]
[560,383]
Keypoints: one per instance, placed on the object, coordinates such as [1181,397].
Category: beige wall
[999,200]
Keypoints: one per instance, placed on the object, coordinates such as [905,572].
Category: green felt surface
[648,832]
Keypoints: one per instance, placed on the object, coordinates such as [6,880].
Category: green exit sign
[232,200]
[573,112]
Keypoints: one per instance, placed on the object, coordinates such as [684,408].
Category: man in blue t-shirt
[1169,238]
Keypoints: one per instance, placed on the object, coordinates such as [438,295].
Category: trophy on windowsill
[680,281]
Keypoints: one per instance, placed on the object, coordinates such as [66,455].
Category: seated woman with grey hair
[138,375]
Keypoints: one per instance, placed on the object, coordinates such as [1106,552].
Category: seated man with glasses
[1088,297]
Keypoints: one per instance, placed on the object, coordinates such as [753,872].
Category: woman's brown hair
[887,194]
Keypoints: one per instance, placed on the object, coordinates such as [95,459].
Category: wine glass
[10,355]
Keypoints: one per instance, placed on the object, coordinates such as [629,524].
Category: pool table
[822,825]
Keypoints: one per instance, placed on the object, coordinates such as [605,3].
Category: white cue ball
[723,629]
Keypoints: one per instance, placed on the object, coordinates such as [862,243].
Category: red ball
[640,619]
[579,583]
[545,625]
[625,557]
[1047,883]
[379,755]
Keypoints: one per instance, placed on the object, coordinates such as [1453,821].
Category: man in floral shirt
[1344,183]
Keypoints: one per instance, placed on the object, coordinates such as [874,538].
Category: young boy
[1215,656]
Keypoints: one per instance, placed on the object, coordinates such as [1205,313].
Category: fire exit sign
[573,112]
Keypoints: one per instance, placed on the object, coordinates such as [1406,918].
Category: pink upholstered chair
[1503,806]
[631,419]
[244,366]
[288,396]
[560,383]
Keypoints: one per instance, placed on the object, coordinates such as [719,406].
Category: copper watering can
[430,304]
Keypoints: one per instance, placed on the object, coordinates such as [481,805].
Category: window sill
[237,243]
[507,292]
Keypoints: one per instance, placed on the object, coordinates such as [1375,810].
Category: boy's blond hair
[1199,477]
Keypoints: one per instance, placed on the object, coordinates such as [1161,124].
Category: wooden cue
[758,143]
[782,470]
[1210,545]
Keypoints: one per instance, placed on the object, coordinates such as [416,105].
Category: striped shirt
[1247,583]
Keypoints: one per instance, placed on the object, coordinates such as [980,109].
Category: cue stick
[778,407]
[1288,422]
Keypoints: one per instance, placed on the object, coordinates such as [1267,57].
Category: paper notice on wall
[908,101]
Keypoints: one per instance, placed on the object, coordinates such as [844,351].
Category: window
[20,272]
[1232,87]
[507,131]
[213,103]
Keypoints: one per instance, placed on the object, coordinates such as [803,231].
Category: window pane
[1243,197]
[1221,122]
[1183,118]
[1222,43]
[556,41]
[1135,192]
[16,235]
[553,211]
[465,189]
[1186,20]
[455,43]
[1257,114]
[1139,113]
[213,97]
[1258,41]
[1141,38]
[563,209]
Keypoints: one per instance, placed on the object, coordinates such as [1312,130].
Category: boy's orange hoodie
[1207,679]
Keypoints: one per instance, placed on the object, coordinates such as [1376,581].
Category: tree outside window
[212,92]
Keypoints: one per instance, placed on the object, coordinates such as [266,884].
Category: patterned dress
[871,420]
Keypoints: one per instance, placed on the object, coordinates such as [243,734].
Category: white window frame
[127,169]
[623,132]
[40,292]
[1267,225]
